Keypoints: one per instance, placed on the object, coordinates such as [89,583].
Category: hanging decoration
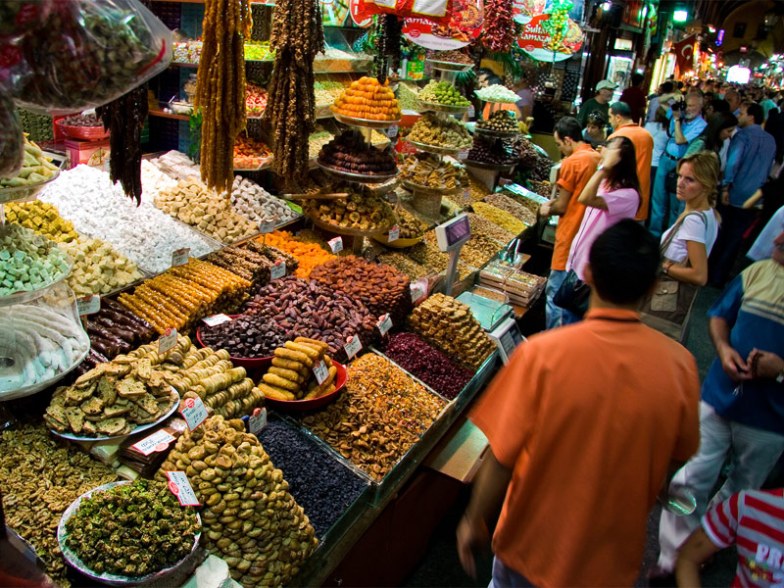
[499,29]
[464,25]
[544,41]
[387,46]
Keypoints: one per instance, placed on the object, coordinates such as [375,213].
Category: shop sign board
[541,41]
[465,25]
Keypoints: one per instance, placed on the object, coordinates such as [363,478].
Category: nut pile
[250,518]
[499,217]
[308,255]
[291,375]
[104,530]
[82,120]
[501,120]
[381,288]
[356,212]
[478,251]
[543,188]
[367,98]
[327,91]
[410,227]
[255,203]
[482,226]
[403,264]
[427,363]
[28,261]
[248,335]
[477,189]
[437,132]
[40,479]
[98,268]
[443,93]
[380,415]
[43,218]
[512,206]
[449,324]
[184,294]
[252,261]
[349,152]
[314,310]
[426,169]
[194,204]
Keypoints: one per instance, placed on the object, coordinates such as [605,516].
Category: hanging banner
[463,27]
[361,14]
[546,40]
[334,12]
[524,10]
[684,54]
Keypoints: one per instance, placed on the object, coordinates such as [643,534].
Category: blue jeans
[553,312]
[665,206]
[504,577]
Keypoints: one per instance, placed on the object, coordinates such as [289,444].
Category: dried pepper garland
[297,35]
[388,29]
[499,31]
[220,88]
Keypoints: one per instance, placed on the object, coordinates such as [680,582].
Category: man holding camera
[686,124]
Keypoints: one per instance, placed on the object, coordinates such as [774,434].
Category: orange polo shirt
[643,149]
[587,417]
[576,170]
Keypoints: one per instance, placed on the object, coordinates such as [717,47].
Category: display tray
[448,65]
[491,166]
[399,243]
[364,122]
[313,403]
[35,388]
[82,133]
[75,562]
[22,296]
[263,164]
[438,150]
[447,108]
[409,185]
[373,178]
[175,400]
[390,220]
[26,193]
[249,363]
[494,133]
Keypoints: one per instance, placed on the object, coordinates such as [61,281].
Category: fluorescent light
[680,15]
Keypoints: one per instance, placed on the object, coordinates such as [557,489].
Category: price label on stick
[278,270]
[394,233]
[266,227]
[321,371]
[392,131]
[168,341]
[336,244]
[158,441]
[257,421]
[88,304]
[180,256]
[216,319]
[194,412]
[384,324]
[418,290]
[352,346]
[182,489]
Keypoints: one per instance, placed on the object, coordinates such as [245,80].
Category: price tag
[257,421]
[352,346]
[392,131]
[418,290]
[336,244]
[158,441]
[194,413]
[278,270]
[168,341]
[266,227]
[321,371]
[384,324]
[88,304]
[216,319]
[181,488]
[394,233]
[180,256]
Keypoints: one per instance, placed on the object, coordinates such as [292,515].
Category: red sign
[464,26]
[538,42]
[361,14]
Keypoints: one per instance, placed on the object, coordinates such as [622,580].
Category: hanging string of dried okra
[220,87]
[297,35]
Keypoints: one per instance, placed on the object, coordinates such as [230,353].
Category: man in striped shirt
[752,519]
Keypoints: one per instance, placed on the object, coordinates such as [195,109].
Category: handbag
[573,295]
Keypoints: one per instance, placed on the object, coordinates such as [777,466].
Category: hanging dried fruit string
[499,27]
[388,31]
[297,35]
[220,87]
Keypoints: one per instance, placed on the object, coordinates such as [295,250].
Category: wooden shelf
[170,115]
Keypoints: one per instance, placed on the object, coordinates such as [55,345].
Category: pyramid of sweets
[367,98]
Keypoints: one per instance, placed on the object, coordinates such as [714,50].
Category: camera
[680,105]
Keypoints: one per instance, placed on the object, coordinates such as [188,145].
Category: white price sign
[216,319]
[384,324]
[392,131]
[321,371]
[88,304]
[418,290]
[394,234]
[278,270]
[194,412]
[352,346]
[257,421]
[336,244]
[168,341]
[180,256]
[158,441]
[181,488]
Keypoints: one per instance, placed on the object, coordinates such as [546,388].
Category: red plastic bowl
[249,363]
[83,133]
[302,405]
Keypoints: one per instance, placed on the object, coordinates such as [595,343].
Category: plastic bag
[11,138]
[90,52]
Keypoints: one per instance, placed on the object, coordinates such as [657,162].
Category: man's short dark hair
[719,105]
[637,79]
[568,126]
[621,108]
[667,87]
[755,110]
[624,262]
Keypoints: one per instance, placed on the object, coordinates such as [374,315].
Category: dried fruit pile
[248,335]
[349,152]
[501,120]
[367,98]
[309,255]
[513,207]
[499,28]
[438,132]
[499,217]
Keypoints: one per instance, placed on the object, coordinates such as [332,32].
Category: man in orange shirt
[577,167]
[624,126]
[584,425]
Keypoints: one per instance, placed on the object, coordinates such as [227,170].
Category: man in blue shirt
[685,126]
[742,408]
[748,164]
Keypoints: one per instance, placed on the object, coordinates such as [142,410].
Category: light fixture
[711,29]
[680,15]
[770,20]
[606,6]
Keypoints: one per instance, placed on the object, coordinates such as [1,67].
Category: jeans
[504,577]
[553,312]
[569,318]
[665,206]
[753,454]
[735,222]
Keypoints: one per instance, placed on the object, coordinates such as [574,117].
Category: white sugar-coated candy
[255,203]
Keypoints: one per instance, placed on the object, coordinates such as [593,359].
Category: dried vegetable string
[297,35]
[220,88]
[499,30]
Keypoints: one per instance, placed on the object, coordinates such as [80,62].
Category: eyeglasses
[596,118]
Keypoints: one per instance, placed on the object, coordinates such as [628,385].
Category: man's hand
[472,536]
[733,364]
[544,209]
[765,364]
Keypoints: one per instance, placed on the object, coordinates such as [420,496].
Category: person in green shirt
[600,102]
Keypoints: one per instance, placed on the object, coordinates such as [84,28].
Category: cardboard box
[94,153]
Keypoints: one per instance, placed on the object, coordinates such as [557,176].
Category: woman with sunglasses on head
[595,131]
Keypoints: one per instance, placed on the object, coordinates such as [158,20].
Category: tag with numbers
[394,233]
[158,441]
[278,270]
[216,319]
[321,371]
[180,256]
[88,304]
[392,131]
[168,341]
[181,488]
[336,244]
[384,324]
[418,290]
[352,346]
[194,413]
[257,421]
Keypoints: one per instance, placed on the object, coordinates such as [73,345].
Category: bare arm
[694,552]
[697,271]
[557,206]
[731,361]
[680,138]
[589,196]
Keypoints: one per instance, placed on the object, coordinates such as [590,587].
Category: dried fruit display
[98,268]
[250,153]
[357,212]
[403,264]
[443,93]
[426,169]
[477,189]
[220,87]
[499,28]
[308,255]
[182,295]
[482,226]
[543,188]
[28,261]
[297,35]
[255,100]
[43,218]
[40,478]
[409,226]
[367,98]
[379,416]
[291,375]
[503,121]
[250,518]
[491,151]
[521,212]
[82,120]
[440,132]
[349,152]
[253,261]
[103,531]
[248,335]
[499,217]
[449,324]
